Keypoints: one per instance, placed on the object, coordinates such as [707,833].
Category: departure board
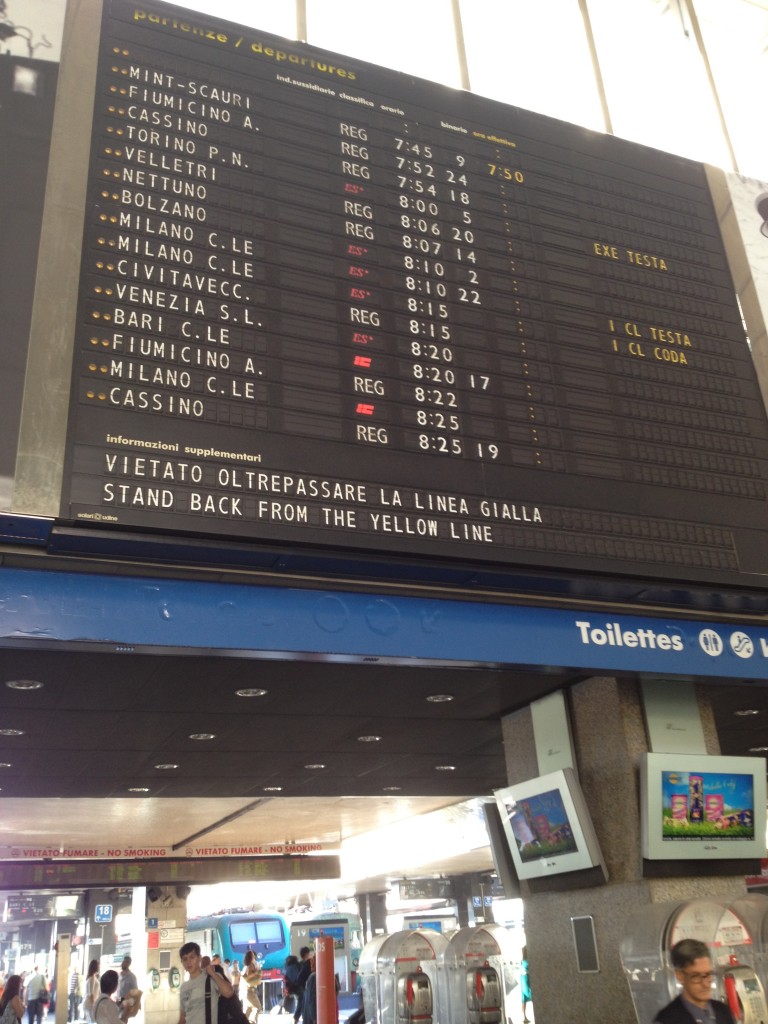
[330,305]
[207,870]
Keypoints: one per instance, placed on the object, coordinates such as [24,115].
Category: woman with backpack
[294,980]
[105,1010]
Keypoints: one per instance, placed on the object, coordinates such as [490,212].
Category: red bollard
[327,1005]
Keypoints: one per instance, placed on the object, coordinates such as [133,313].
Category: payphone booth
[741,958]
[737,935]
[479,975]
[402,978]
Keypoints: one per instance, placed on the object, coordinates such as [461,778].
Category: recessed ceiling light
[11,732]
[166,767]
[440,698]
[758,750]
[138,789]
[253,691]
[273,789]
[390,789]
[445,767]
[5,764]
[314,767]
[202,735]
[368,739]
[24,684]
[746,712]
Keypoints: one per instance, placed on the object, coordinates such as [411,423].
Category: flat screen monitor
[502,858]
[547,826]
[702,807]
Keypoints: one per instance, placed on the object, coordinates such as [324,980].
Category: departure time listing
[320,301]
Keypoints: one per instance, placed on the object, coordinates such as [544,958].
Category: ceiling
[101,723]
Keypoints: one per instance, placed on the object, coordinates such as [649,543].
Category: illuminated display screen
[328,304]
[53,874]
[697,807]
[329,931]
[700,805]
[541,826]
[548,826]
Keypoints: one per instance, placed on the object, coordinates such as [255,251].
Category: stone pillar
[377,902]
[609,737]
[100,937]
[463,896]
[362,909]
[168,904]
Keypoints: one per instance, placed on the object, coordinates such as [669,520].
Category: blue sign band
[150,614]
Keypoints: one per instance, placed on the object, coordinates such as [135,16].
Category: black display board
[323,303]
[58,874]
[426,889]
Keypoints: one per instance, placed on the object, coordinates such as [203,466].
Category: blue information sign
[339,622]
[103,913]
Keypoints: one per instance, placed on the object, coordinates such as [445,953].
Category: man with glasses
[693,969]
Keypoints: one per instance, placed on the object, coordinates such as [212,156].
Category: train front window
[242,935]
[268,932]
[259,935]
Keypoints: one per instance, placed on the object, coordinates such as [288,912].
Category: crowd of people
[690,960]
[113,997]
[204,974]
[32,992]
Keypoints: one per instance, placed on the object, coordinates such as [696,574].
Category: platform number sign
[103,913]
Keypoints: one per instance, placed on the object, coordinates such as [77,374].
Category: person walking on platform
[234,977]
[127,987]
[105,1009]
[251,975]
[217,962]
[525,984]
[75,995]
[36,989]
[309,1006]
[302,977]
[91,989]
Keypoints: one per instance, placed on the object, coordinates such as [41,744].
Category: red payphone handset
[414,998]
[484,995]
[744,993]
